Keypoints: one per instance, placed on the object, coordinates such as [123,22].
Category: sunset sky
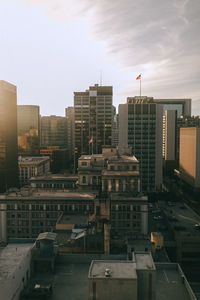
[51,48]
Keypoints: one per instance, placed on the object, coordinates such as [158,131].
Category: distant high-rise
[182,106]
[169,139]
[115,128]
[140,127]
[93,119]
[8,136]
[69,114]
[189,160]
[28,120]
[54,131]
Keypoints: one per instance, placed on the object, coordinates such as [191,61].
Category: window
[84,163]
[83,179]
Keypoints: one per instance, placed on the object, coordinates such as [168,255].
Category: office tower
[28,126]
[140,127]
[8,136]
[69,114]
[54,131]
[189,160]
[183,106]
[169,140]
[93,119]
[115,129]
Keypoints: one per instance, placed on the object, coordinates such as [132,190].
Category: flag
[91,141]
[139,77]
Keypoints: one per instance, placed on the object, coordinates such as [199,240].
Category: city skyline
[51,49]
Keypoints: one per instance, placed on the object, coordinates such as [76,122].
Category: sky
[52,48]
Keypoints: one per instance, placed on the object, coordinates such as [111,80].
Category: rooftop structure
[117,269]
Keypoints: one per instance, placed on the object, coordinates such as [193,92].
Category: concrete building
[54,182]
[32,166]
[109,171]
[54,131]
[189,160]
[27,213]
[69,114]
[15,270]
[28,127]
[140,127]
[182,106]
[8,136]
[117,177]
[93,119]
[105,280]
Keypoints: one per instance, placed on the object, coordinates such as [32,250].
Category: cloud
[155,37]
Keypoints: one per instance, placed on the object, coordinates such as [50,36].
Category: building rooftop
[32,159]
[73,219]
[47,236]
[44,194]
[128,196]
[54,177]
[171,283]
[144,261]
[11,257]
[117,269]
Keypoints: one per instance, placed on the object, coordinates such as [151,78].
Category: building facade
[31,167]
[117,178]
[28,126]
[69,114]
[140,127]
[93,119]
[54,131]
[182,106]
[8,136]
[189,160]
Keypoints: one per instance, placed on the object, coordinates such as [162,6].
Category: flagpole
[140,86]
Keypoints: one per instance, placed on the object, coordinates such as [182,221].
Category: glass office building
[28,119]
[8,136]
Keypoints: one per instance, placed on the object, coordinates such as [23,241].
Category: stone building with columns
[109,172]
[117,179]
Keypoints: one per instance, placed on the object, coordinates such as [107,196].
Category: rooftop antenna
[100,77]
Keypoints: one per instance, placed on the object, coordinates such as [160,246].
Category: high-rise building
[140,127]
[169,140]
[53,131]
[115,128]
[28,125]
[182,106]
[189,160]
[93,119]
[8,136]
[69,114]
